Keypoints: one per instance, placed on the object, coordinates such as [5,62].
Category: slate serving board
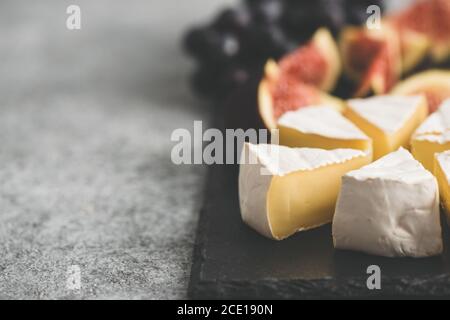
[231,261]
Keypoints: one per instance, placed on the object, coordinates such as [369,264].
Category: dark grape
[207,44]
[265,11]
[304,18]
[240,40]
[232,20]
[299,24]
[333,14]
[265,41]
[194,41]
[229,46]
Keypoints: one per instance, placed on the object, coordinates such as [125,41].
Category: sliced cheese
[389,120]
[389,208]
[442,173]
[424,147]
[433,136]
[321,127]
[284,190]
[436,123]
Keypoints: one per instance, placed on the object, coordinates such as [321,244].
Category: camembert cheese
[433,136]
[321,127]
[284,190]
[442,173]
[389,120]
[389,208]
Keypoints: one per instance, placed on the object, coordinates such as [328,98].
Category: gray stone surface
[85,171]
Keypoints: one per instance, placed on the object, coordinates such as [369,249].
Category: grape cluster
[240,40]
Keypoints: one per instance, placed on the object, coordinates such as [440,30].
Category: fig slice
[357,51]
[372,58]
[379,78]
[276,98]
[431,19]
[277,95]
[317,63]
[300,79]
[434,84]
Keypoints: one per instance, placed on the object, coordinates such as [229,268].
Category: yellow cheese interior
[385,143]
[306,199]
[424,151]
[295,139]
[444,188]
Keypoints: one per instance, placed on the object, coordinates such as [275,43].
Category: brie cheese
[389,120]
[284,190]
[442,173]
[433,136]
[436,123]
[389,208]
[321,127]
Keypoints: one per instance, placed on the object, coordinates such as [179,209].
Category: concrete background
[85,171]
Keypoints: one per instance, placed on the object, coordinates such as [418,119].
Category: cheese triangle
[321,127]
[433,136]
[284,190]
[436,123]
[424,147]
[389,120]
[442,173]
[389,208]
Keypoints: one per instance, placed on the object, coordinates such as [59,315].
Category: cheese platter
[350,198]
[232,261]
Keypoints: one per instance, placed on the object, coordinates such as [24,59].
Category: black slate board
[231,261]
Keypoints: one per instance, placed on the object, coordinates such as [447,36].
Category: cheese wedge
[389,208]
[433,136]
[389,120]
[424,147]
[436,123]
[321,127]
[284,190]
[442,173]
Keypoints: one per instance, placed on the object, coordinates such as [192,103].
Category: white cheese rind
[389,208]
[438,122]
[388,113]
[440,138]
[323,121]
[281,160]
[397,166]
[253,189]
